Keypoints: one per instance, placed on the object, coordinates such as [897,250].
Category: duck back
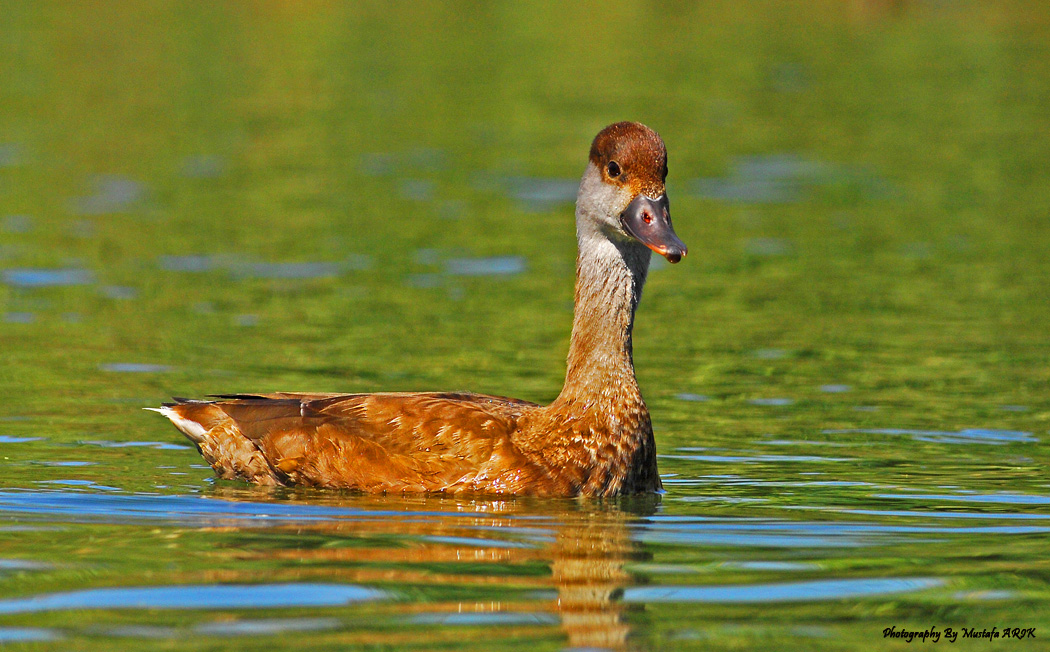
[386,442]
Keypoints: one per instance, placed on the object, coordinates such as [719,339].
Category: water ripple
[17,224]
[1003,498]
[492,266]
[756,458]
[113,193]
[134,367]
[267,626]
[938,514]
[771,401]
[534,194]
[289,270]
[785,178]
[966,436]
[196,263]
[689,396]
[175,509]
[201,596]
[27,634]
[11,439]
[158,445]
[818,590]
[809,534]
[485,618]
[38,278]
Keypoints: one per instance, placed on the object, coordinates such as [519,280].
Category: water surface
[848,375]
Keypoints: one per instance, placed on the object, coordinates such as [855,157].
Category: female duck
[595,439]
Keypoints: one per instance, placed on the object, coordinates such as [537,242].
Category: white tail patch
[191,429]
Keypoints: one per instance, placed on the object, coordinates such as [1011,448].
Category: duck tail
[219,440]
[193,418]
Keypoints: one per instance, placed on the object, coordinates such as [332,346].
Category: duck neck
[610,274]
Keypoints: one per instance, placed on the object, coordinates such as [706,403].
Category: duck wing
[402,442]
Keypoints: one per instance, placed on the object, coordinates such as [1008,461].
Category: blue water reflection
[817,590]
[208,596]
[111,193]
[786,178]
[16,224]
[27,634]
[196,263]
[266,626]
[37,278]
[492,266]
[485,618]
[965,436]
[11,155]
[135,367]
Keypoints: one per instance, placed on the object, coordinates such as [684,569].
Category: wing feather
[372,442]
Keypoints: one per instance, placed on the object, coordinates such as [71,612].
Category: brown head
[623,189]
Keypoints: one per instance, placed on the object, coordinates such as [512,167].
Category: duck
[594,440]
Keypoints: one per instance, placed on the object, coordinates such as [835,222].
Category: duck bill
[649,222]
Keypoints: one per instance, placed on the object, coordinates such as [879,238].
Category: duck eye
[613,168]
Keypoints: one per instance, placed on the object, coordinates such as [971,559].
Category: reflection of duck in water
[484,548]
[595,439]
[587,571]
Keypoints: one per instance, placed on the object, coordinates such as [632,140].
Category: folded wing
[401,442]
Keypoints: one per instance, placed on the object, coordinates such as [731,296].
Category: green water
[848,375]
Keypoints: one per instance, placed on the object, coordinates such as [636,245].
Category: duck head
[622,194]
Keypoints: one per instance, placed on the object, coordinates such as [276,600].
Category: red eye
[647,218]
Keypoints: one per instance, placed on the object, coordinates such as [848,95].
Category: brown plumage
[638,151]
[595,439]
